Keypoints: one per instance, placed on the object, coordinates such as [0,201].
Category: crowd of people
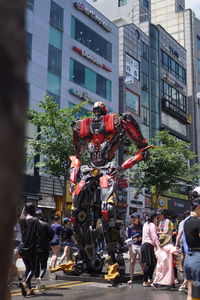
[33,238]
[157,244]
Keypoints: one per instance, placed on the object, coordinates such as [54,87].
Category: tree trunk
[12,120]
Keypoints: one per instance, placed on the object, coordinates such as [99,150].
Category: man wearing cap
[134,231]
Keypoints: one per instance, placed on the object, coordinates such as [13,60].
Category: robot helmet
[99,108]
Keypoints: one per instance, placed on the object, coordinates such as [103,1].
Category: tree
[12,126]
[54,140]
[167,166]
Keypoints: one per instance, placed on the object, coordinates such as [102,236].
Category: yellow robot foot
[68,267]
[112,272]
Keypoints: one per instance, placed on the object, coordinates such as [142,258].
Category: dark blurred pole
[12,121]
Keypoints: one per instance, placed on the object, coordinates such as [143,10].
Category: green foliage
[167,165]
[54,141]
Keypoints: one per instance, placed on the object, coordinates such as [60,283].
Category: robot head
[100,109]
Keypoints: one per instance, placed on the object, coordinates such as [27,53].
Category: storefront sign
[47,202]
[178,205]
[132,67]
[160,202]
[136,203]
[92,58]
[83,95]
[171,80]
[148,203]
[175,110]
[88,12]
[174,52]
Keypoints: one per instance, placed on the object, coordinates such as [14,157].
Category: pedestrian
[30,231]
[165,226]
[67,240]
[45,236]
[55,242]
[13,270]
[134,231]
[191,232]
[164,272]
[149,242]
[180,243]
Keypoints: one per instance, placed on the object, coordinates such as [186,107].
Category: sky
[194,5]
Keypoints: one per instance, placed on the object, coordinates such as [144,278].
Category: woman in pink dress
[149,241]
[164,268]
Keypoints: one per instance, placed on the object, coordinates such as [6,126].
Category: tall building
[72,52]
[123,12]
[182,24]
[134,93]
[173,86]
[157,64]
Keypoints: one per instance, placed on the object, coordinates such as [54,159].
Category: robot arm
[133,130]
[139,155]
[131,127]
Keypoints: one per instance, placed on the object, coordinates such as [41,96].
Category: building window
[28,45]
[122,2]
[55,37]
[54,60]
[133,101]
[56,15]
[90,80]
[83,113]
[146,3]
[198,62]
[54,97]
[174,96]
[144,82]
[30,4]
[173,67]
[53,84]
[198,42]
[145,51]
[28,92]
[91,39]
[145,116]
[179,8]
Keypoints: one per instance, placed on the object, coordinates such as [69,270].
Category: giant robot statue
[95,194]
[94,187]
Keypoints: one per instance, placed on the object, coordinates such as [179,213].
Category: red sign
[92,58]
[88,12]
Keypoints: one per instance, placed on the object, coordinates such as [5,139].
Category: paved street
[88,290]
[72,289]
